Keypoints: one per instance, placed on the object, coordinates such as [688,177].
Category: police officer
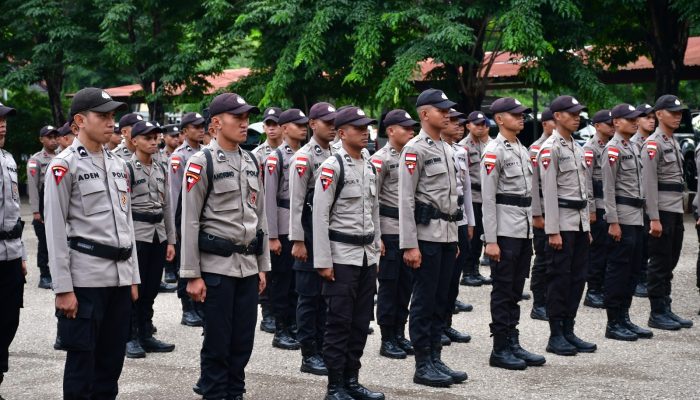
[305,167]
[224,246]
[593,150]
[192,126]
[346,251]
[13,257]
[565,196]
[171,139]
[538,274]
[662,171]
[646,124]
[394,276]
[506,178]
[293,123]
[624,203]
[428,215]
[475,143]
[36,172]
[126,123]
[92,251]
[154,229]
[65,136]
[116,138]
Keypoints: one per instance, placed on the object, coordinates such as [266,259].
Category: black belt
[390,212]
[219,246]
[147,217]
[513,200]
[357,240]
[573,204]
[597,189]
[284,203]
[630,201]
[670,187]
[15,233]
[108,252]
[460,200]
[476,186]
[425,212]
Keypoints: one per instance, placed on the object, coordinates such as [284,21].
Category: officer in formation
[126,148]
[624,206]
[538,274]
[306,168]
[506,179]
[92,250]
[192,126]
[116,139]
[593,156]
[475,143]
[662,172]
[65,137]
[36,174]
[13,257]
[171,141]
[225,251]
[154,228]
[565,196]
[394,292]
[293,123]
[346,240]
[428,215]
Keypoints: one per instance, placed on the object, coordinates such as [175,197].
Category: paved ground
[668,366]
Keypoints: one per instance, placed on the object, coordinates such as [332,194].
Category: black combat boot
[401,340]
[453,334]
[641,290]
[557,344]
[615,329]
[311,360]
[133,347]
[436,358]
[153,345]
[638,330]
[282,339]
[336,386]
[658,318]
[45,282]
[462,307]
[684,323]
[426,373]
[594,299]
[445,340]
[539,312]
[389,347]
[581,345]
[502,356]
[531,359]
[358,391]
[189,315]
[267,323]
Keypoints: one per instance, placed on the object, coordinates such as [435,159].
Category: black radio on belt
[460,200]
[597,189]
[425,212]
[15,233]
[219,246]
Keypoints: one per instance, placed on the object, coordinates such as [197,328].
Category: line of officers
[318,224]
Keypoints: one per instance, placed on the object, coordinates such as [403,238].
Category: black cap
[94,99]
[455,114]
[476,117]
[116,127]
[508,105]
[602,116]
[645,109]
[668,102]
[129,120]
[171,129]
[352,115]
[398,117]
[191,118]
[6,111]
[566,104]
[65,129]
[323,111]
[272,113]
[462,121]
[624,110]
[144,128]
[547,115]
[48,130]
[293,115]
[230,103]
[436,98]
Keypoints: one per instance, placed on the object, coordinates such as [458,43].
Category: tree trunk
[54,86]
[667,37]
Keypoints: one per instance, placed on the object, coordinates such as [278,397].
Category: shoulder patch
[651,149]
[546,156]
[411,159]
[175,163]
[301,164]
[588,157]
[613,154]
[271,164]
[490,162]
[377,164]
[58,171]
[326,177]
[193,175]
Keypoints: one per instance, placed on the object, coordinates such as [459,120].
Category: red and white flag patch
[651,149]
[613,155]
[271,164]
[377,164]
[175,163]
[326,177]
[588,156]
[490,162]
[534,151]
[193,175]
[32,167]
[546,157]
[58,172]
[411,160]
[301,164]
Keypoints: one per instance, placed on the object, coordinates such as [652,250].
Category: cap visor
[109,106]
[478,121]
[634,114]
[363,122]
[298,121]
[328,117]
[6,111]
[675,108]
[247,108]
[454,114]
[576,108]
[520,110]
[271,117]
[445,105]
[408,122]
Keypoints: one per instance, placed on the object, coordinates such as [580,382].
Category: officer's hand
[134,292]
[615,232]
[262,281]
[67,303]
[593,217]
[382,250]
[655,228]
[24,268]
[413,258]
[697,222]
[538,222]
[299,251]
[170,252]
[37,217]
[197,289]
[470,232]
[493,252]
[275,246]
[326,273]
[555,241]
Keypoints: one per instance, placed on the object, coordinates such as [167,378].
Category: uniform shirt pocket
[123,194]
[350,198]
[567,166]
[628,164]
[670,157]
[435,172]
[92,193]
[253,191]
[229,191]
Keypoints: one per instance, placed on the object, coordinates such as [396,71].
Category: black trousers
[697,264]
[230,314]
[181,283]
[538,277]
[622,272]
[12,289]
[471,264]
[350,300]
[508,282]
[95,342]
[664,253]
[281,289]
[453,290]
[311,309]
[566,274]
[431,282]
[394,291]
[42,252]
[598,252]
[151,258]
[645,251]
